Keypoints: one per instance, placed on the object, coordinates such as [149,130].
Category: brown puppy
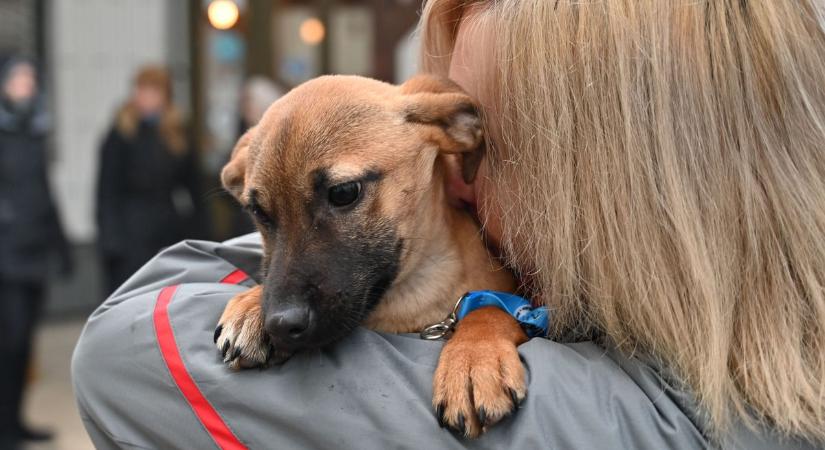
[345,179]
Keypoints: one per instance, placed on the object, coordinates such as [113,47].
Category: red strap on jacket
[235,277]
[206,414]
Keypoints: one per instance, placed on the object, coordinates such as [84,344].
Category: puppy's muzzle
[289,323]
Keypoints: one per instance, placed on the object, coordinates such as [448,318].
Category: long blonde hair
[172,127]
[661,172]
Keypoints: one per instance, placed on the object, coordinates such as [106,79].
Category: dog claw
[217,334]
[439,413]
[224,349]
[460,426]
[482,416]
[514,398]
[235,354]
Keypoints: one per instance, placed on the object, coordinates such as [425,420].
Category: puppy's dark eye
[345,193]
[259,213]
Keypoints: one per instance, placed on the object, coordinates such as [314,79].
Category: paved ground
[50,402]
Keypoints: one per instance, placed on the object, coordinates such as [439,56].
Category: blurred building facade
[90,49]
[18,24]
[93,49]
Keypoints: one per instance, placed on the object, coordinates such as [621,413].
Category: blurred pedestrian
[148,193]
[257,94]
[30,236]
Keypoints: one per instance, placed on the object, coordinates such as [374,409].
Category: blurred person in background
[148,193]
[30,236]
[257,94]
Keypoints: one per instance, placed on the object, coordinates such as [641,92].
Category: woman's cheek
[492,216]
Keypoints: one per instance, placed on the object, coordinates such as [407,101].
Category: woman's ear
[233,175]
[452,119]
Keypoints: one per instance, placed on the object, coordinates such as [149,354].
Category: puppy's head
[343,181]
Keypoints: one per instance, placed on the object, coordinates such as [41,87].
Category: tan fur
[243,329]
[480,378]
[351,125]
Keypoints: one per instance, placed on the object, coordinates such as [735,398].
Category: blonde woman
[657,168]
[655,171]
[148,189]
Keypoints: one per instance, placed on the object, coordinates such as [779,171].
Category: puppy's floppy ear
[233,175]
[452,117]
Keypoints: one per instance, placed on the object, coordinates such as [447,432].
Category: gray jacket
[147,375]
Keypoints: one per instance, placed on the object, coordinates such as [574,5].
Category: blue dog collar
[534,321]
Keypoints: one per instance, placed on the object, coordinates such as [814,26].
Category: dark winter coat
[30,232]
[138,182]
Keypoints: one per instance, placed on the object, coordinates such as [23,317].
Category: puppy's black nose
[288,323]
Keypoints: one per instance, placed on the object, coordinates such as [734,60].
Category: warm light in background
[312,31]
[223,14]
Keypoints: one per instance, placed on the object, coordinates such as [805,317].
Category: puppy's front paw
[480,378]
[240,334]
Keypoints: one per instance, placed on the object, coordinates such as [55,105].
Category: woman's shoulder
[113,136]
[156,332]
[580,395]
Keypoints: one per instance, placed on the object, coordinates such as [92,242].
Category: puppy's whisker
[215,193]
[214,190]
